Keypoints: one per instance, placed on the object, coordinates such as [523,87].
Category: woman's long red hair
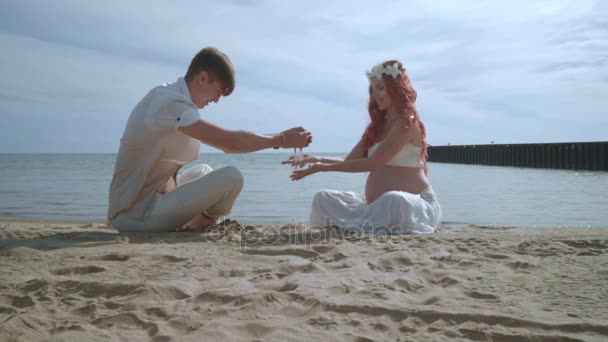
[403,95]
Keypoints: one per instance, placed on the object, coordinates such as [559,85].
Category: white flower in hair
[378,70]
[393,70]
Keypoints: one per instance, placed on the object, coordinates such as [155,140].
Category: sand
[85,282]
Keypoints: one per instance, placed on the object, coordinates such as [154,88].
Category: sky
[502,71]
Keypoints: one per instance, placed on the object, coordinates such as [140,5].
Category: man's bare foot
[199,222]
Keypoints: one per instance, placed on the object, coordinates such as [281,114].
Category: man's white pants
[199,189]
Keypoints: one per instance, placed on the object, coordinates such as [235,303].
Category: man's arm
[231,141]
[355,153]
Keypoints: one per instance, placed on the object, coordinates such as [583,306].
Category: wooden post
[581,151]
[603,157]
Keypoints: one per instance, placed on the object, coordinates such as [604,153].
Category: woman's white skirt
[394,212]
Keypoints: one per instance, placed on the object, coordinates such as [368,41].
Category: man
[163,133]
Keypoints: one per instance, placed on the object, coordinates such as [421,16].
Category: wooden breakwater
[573,156]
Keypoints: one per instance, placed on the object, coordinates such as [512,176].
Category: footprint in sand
[383,265]
[164,293]
[302,253]
[354,323]
[166,258]
[379,327]
[431,300]
[80,270]
[21,253]
[16,301]
[590,253]
[67,328]
[468,264]
[8,311]
[233,273]
[154,257]
[586,244]
[20,235]
[339,256]
[322,249]
[340,266]
[408,285]
[407,329]
[264,276]
[403,261]
[94,289]
[288,286]
[479,295]
[111,257]
[158,313]
[521,266]
[118,306]
[33,285]
[339,290]
[497,256]
[87,310]
[124,320]
[321,321]
[439,278]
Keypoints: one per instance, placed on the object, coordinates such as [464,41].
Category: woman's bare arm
[357,151]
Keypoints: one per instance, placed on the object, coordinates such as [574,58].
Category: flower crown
[380,69]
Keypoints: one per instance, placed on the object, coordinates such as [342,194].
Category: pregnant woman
[398,196]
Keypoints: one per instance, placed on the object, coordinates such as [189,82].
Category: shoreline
[444,225]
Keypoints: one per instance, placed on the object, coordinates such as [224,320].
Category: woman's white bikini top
[409,156]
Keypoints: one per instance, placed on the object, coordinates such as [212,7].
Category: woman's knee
[321,196]
[393,197]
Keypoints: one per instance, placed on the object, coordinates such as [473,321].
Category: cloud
[501,70]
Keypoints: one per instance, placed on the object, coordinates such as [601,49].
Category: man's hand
[297,137]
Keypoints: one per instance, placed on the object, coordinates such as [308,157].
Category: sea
[74,187]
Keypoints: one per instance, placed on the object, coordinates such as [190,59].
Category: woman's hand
[299,174]
[306,159]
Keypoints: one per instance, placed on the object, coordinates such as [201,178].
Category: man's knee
[199,171]
[233,176]
[193,173]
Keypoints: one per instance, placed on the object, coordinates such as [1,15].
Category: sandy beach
[62,281]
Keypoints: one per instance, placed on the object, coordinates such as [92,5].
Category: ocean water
[75,187]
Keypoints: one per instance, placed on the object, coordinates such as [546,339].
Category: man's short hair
[216,64]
